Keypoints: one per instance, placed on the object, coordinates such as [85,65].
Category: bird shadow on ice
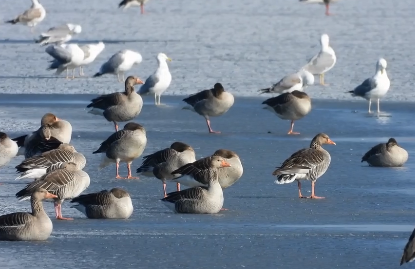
[106,41]
[29,77]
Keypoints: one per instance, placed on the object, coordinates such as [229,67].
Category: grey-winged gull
[119,63]
[31,17]
[128,3]
[158,82]
[59,34]
[65,58]
[323,61]
[375,87]
[91,52]
[293,82]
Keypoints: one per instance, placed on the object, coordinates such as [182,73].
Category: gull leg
[73,73]
[117,166]
[370,104]
[164,189]
[142,8]
[178,186]
[159,102]
[123,78]
[116,126]
[291,130]
[129,176]
[378,106]
[300,195]
[60,214]
[155,99]
[313,196]
[210,129]
[327,9]
[67,73]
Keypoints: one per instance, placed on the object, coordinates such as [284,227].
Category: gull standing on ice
[128,3]
[119,63]
[293,82]
[375,87]
[323,61]
[31,17]
[65,58]
[60,34]
[158,82]
[91,52]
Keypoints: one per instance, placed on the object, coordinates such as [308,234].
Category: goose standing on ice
[113,204]
[162,163]
[128,3]
[200,200]
[375,87]
[386,155]
[289,106]
[309,163]
[158,82]
[23,226]
[31,17]
[293,82]
[323,61]
[8,149]
[37,166]
[210,103]
[119,106]
[123,146]
[52,129]
[66,182]
[119,63]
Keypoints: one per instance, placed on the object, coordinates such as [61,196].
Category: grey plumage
[409,250]
[364,88]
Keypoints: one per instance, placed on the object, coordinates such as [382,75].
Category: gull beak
[225,164]
[139,81]
[329,141]
[169,59]
[50,196]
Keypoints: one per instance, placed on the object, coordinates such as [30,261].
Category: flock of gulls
[56,166]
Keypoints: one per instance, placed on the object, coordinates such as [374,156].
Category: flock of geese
[56,166]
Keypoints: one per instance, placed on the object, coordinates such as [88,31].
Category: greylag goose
[375,87]
[323,61]
[67,182]
[197,173]
[409,250]
[210,103]
[59,34]
[200,200]
[293,82]
[23,226]
[158,82]
[119,63]
[31,17]
[51,127]
[386,155]
[128,3]
[113,204]
[123,146]
[8,149]
[289,106]
[119,106]
[36,166]
[162,163]
[309,163]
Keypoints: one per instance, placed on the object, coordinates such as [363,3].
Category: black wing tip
[267,90]
[97,75]
[11,21]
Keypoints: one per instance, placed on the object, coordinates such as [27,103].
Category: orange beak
[57,119]
[329,141]
[51,196]
[225,164]
[139,81]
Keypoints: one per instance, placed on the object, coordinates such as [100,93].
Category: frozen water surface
[368,213]
[364,221]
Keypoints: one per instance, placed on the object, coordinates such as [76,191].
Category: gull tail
[12,21]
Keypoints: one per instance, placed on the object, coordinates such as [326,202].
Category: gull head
[77,29]
[324,40]
[307,77]
[163,57]
[381,65]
